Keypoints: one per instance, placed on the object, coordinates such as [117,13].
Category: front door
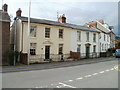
[47,52]
[87,51]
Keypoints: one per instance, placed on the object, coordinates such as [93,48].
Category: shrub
[11,56]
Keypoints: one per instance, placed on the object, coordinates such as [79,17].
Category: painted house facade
[107,37]
[53,39]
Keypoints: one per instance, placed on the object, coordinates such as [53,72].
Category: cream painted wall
[54,39]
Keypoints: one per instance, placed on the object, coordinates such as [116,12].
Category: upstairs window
[47,32]
[33,31]
[94,37]
[60,33]
[104,37]
[78,35]
[87,35]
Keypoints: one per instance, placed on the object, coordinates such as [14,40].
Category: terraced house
[53,40]
[107,37]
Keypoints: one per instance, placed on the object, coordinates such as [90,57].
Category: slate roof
[55,23]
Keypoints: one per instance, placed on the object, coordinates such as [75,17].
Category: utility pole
[2,4]
[29,32]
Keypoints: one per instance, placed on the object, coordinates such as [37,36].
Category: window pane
[94,37]
[32,48]
[94,48]
[78,48]
[60,33]
[33,31]
[78,35]
[87,35]
[47,32]
[60,48]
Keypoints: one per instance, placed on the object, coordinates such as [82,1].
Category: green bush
[11,56]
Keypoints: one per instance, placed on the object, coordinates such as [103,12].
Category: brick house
[5,34]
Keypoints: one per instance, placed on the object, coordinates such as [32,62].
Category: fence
[89,55]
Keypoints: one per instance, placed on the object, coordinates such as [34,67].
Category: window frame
[94,48]
[94,37]
[32,27]
[33,48]
[87,35]
[79,48]
[61,31]
[47,32]
[60,49]
[78,35]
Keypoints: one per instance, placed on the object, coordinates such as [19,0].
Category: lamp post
[28,61]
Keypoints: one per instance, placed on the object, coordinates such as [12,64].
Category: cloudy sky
[76,11]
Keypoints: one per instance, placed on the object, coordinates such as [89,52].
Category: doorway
[87,51]
[47,52]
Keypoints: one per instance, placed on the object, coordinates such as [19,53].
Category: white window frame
[33,48]
[34,32]
[78,36]
[78,48]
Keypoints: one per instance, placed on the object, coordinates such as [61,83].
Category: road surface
[94,75]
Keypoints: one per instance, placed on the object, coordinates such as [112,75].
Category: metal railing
[52,57]
[62,57]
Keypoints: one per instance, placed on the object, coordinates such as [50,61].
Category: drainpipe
[15,42]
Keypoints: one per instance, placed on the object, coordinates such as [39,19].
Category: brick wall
[5,41]
[0,43]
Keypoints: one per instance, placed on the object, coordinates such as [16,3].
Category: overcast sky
[76,12]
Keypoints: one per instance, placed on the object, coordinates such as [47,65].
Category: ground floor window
[32,48]
[94,48]
[78,48]
[60,49]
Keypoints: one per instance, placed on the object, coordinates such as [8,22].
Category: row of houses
[59,40]
[54,40]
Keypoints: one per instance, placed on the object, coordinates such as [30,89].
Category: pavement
[6,69]
[92,75]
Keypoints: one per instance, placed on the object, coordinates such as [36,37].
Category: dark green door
[87,51]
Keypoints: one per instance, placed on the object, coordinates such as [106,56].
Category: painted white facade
[69,39]
[83,42]
[104,36]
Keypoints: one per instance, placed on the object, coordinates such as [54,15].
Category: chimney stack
[18,13]
[62,19]
[5,7]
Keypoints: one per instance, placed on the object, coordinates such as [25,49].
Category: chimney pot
[62,19]
[5,7]
[18,13]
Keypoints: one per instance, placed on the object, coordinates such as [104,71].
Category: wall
[5,41]
[41,40]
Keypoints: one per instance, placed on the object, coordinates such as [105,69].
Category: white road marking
[107,70]
[94,73]
[66,85]
[112,69]
[79,78]
[102,72]
[70,80]
[88,76]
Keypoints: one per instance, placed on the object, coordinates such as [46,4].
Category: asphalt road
[95,75]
